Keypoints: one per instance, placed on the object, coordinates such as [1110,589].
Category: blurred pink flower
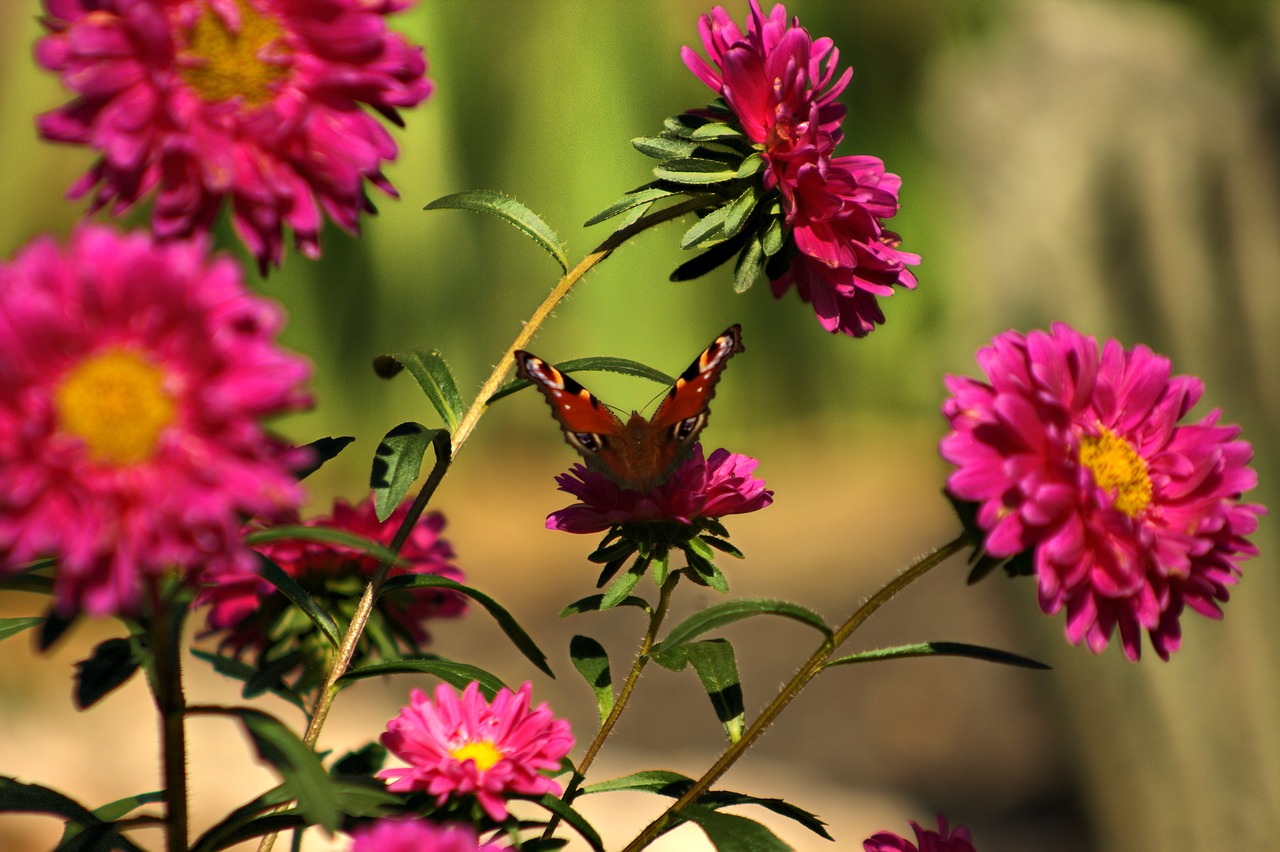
[1081,458]
[337,575]
[133,379]
[258,102]
[411,835]
[699,488]
[927,840]
[469,747]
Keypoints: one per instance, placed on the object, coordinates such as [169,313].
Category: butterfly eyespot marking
[588,442]
[689,426]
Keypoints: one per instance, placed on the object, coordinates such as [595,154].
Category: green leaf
[364,798]
[660,781]
[636,198]
[19,797]
[740,210]
[109,812]
[774,236]
[510,211]
[714,257]
[364,761]
[940,649]
[728,612]
[722,545]
[243,672]
[573,819]
[621,588]
[749,266]
[14,626]
[323,535]
[397,463]
[599,363]
[594,603]
[592,662]
[111,665]
[509,625]
[707,231]
[229,830]
[664,147]
[716,130]
[455,674]
[696,171]
[717,668]
[302,599]
[661,568]
[433,375]
[322,450]
[733,833]
[305,780]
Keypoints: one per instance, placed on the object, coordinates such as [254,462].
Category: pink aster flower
[411,835]
[133,382]
[699,488]
[258,102]
[469,747]
[927,840]
[337,576]
[1080,457]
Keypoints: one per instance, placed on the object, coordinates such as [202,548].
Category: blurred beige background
[1111,164]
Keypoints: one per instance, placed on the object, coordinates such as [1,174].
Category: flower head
[927,840]
[465,746]
[258,102]
[412,835]
[699,488]
[1079,458]
[133,382]
[249,612]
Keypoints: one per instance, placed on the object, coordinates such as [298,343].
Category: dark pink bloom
[465,746]
[337,575]
[699,488]
[133,382]
[412,835]
[1080,457]
[927,840]
[258,102]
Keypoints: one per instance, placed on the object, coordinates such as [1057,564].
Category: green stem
[606,728]
[346,650]
[807,672]
[166,687]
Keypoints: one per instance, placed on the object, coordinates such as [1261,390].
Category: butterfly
[639,454]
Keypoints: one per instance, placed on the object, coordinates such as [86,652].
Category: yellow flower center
[116,403]
[223,63]
[484,753]
[1117,467]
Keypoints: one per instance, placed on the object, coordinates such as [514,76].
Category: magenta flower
[927,840]
[469,747]
[337,575]
[411,835]
[699,488]
[133,382]
[258,102]
[1079,458]
[773,79]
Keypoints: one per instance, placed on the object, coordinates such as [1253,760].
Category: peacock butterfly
[639,454]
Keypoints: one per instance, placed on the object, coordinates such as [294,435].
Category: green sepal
[398,461]
[717,668]
[940,649]
[110,666]
[432,373]
[620,589]
[722,545]
[697,171]
[740,210]
[749,266]
[593,603]
[592,662]
[510,211]
[661,568]
[774,231]
[716,130]
[663,148]
[635,198]
[456,674]
[719,615]
[707,231]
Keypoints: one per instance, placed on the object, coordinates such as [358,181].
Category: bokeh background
[1112,164]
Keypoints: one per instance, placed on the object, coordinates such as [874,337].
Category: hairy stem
[807,672]
[166,687]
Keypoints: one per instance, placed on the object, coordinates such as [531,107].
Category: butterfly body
[641,453]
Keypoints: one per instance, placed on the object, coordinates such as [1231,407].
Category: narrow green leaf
[740,210]
[301,598]
[750,166]
[725,798]
[714,257]
[620,589]
[221,834]
[592,662]
[428,368]
[14,626]
[323,535]
[304,777]
[717,667]
[728,612]
[111,665]
[940,649]
[696,171]
[733,833]
[661,568]
[637,198]
[364,761]
[716,130]
[523,642]
[396,465]
[708,230]
[574,819]
[510,211]
[663,147]
[599,363]
[322,450]
[19,797]
[774,236]
[243,672]
[364,798]
[660,781]
[593,603]
[723,546]
[683,124]
[749,266]
[455,674]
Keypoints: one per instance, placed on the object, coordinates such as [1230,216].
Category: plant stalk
[163,634]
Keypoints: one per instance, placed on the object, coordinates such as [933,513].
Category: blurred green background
[1112,164]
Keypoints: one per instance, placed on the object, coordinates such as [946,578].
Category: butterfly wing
[588,425]
[684,411]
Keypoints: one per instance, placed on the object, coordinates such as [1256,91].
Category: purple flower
[927,840]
